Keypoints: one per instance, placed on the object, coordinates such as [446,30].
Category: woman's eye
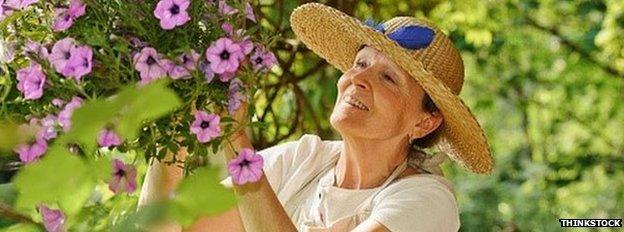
[388,78]
[360,64]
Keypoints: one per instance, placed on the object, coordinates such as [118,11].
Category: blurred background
[544,78]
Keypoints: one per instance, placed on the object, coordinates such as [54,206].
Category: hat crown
[439,57]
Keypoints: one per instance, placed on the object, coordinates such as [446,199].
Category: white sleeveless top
[301,174]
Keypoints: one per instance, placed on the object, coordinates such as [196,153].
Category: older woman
[397,96]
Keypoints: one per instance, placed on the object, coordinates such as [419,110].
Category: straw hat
[419,48]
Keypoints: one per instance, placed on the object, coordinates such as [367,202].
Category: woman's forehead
[369,52]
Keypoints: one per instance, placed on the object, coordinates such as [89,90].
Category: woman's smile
[354,102]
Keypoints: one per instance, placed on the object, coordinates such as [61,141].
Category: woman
[398,94]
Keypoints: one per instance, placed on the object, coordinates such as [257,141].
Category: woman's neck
[367,163]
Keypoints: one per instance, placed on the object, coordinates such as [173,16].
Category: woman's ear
[426,125]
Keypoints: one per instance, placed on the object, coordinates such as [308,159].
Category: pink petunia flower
[79,63]
[206,126]
[30,81]
[249,13]
[64,17]
[53,219]
[246,167]
[61,52]
[36,49]
[235,96]
[48,127]
[124,178]
[108,138]
[225,9]
[226,76]
[224,55]
[19,4]
[204,67]
[32,150]
[263,59]
[64,117]
[172,13]
[148,63]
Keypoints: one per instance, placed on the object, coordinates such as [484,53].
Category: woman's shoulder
[418,187]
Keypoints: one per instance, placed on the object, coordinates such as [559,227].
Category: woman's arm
[258,208]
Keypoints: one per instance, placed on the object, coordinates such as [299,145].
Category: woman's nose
[360,79]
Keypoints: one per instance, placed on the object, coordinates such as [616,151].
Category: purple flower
[30,81]
[124,178]
[48,127]
[148,63]
[204,67]
[246,167]
[263,59]
[235,96]
[226,76]
[226,9]
[224,55]
[36,49]
[76,9]
[61,52]
[58,102]
[249,12]
[206,126]
[189,59]
[19,4]
[172,13]
[62,20]
[108,138]
[32,150]
[64,117]
[53,219]
[64,17]
[79,63]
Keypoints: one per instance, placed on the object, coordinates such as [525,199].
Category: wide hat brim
[336,37]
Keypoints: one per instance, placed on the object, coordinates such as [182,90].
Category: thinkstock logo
[590,222]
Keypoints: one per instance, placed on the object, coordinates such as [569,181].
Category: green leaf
[88,120]
[142,104]
[201,194]
[23,227]
[58,178]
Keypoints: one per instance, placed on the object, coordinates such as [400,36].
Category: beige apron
[317,221]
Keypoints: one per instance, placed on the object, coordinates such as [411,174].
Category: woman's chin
[344,121]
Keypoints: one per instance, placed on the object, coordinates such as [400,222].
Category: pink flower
[19,4]
[32,150]
[226,76]
[148,63]
[249,12]
[124,178]
[245,44]
[204,67]
[48,127]
[64,117]
[30,81]
[225,9]
[263,59]
[108,138]
[36,48]
[235,97]
[79,63]
[206,126]
[189,59]
[53,219]
[224,55]
[64,17]
[61,52]
[246,167]
[172,13]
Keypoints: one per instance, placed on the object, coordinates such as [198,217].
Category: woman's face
[379,100]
